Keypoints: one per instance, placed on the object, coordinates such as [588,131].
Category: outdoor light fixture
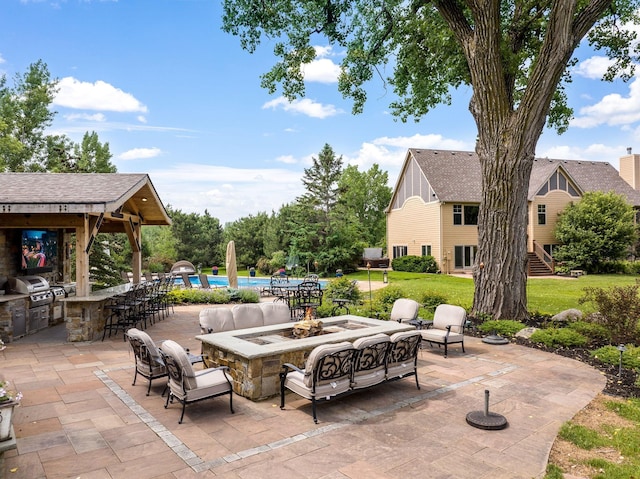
[385,277]
[622,349]
[370,300]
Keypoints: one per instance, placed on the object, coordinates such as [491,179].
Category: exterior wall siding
[415,224]
[455,235]
[555,202]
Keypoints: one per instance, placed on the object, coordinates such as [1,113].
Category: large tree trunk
[500,272]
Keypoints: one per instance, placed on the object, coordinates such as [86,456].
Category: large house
[434,207]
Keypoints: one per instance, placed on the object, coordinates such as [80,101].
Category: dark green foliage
[504,327]
[590,330]
[618,311]
[561,337]
[248,235]
[198,238]
[611,355]
[342,288]
[430,300]
[383,300]
[415,264]
[596,230]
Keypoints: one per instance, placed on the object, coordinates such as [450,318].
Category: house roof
[456,175]
[56,193]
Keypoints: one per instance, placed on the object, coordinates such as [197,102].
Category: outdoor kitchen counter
[85,316]
[5,298]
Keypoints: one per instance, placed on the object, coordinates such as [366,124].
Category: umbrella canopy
[232,268]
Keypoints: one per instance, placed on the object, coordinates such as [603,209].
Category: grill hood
[28,284]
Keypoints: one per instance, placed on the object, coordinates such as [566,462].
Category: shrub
[619,310]
[504,327]
[384,299]
[561,337]
[342,288]
[591,330]
[214,296]
[611,355]
[415,264]
[431,300]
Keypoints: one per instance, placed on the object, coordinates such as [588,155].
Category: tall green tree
[24,117]
[198,237]
[598,228]
[514,55]
[248,236]
[366,195]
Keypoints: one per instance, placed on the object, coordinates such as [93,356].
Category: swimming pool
[243,281]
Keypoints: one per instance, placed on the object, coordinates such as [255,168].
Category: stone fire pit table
[255,356]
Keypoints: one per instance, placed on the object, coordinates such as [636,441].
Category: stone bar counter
[255,356]
[85,316]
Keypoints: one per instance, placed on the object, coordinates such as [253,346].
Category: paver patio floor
[82,418]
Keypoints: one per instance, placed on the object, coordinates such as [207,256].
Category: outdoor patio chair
[370,361]
[402,357]
[327,373]
[186,282]
[204,281]
[149,362]
[404,310]
[448,327]
[344,300]
[188,386]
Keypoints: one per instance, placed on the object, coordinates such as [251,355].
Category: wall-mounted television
[39,251]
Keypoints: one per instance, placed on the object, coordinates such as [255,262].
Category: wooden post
[83,288]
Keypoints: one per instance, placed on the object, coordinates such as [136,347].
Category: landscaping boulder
[568,315]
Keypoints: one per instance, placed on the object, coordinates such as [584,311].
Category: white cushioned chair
[327,373]
[448,327]
[187,385]
[404,310]
[370,361]
[149,362]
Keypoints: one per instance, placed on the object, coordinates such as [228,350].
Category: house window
[399,251]
[542,214]
[557,181]
[465,216]
[426,250]
[457,214]
[464,256]
[471,214]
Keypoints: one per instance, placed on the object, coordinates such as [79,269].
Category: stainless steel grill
[35,286]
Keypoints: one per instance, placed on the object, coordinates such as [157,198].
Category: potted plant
[9,398]
[214,270]
[252,272]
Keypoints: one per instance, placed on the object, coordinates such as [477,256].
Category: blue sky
[177,98]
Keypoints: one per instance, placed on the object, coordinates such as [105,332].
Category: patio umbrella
[232,268]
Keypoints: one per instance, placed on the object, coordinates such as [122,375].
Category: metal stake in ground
[485,419]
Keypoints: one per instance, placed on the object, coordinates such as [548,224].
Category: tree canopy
[598,228]
[514,54]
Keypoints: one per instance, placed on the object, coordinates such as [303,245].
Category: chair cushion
[402,354]
[216,319]
[146,339]
[247,316]
[439,335]
[449,314]
[275,313]
[369,368]
[177,352]
[209,382]
[317,353]
[404,309]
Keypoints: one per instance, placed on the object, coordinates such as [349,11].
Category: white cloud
[287,159]
[305,106]
[141,119]
[594,67]
[2,60]
[86,116]
[321,71]
[613,109]
[95,96]
[140,153]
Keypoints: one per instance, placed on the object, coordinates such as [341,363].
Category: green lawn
[545,295]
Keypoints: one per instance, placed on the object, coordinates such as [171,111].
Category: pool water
[243,281]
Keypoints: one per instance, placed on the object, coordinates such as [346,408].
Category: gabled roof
[31,193]
[456,175]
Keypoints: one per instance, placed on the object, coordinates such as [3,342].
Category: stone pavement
[82,418]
